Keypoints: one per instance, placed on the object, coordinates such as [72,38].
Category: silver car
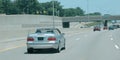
[46,38]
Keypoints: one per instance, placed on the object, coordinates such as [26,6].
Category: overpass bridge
[105,18]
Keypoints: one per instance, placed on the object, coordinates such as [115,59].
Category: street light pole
[87,10]
[53,14]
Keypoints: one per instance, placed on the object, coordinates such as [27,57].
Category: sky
[89,6]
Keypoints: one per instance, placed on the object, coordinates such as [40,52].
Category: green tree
[14,9]
[28,6]
[48,7]
[35,7]
[79,11]
[95,13]
[73,12]
[6,6]
[1,7]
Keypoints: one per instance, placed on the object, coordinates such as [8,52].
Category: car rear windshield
[44,31]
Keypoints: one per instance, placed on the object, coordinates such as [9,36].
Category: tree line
[9,7]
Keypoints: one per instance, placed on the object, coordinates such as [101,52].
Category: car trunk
[42,37]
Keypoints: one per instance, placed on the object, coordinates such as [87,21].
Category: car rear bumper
[96,29]
[42,46]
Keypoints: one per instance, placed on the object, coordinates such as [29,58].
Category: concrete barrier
[15,20]
[15,26]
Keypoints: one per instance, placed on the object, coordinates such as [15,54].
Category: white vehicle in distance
[46,38]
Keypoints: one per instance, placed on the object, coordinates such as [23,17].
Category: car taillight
[30,39]
[51,39]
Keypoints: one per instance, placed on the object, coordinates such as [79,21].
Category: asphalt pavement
[80,45]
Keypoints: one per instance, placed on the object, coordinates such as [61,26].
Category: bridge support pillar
[66,24]
[105,25]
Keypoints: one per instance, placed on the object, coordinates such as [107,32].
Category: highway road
[80,45]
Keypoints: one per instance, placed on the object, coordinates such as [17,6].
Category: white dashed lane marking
[117,47]
[111,38]
[78,39]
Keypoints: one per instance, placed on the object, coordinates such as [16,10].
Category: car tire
[30,50]
[58,49]
[64,47]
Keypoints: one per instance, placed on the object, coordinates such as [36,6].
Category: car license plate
[40,38]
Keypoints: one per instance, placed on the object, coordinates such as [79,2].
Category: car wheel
[30,50]
[58,49]
[64,47]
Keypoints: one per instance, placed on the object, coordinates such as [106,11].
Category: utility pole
[53,14]
[88,10]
